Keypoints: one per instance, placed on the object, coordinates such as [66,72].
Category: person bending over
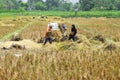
[72,33]
[48,36]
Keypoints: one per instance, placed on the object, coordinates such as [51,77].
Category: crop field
[11,24]
[108,27]
[85,59]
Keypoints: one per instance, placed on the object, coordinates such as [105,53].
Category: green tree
[52,4]
[104,5]
[117,4]
[2,5]
[40,6]
[15,4]
[30,4]
[34,4]
[23,6]
[65,6]
[86,5]
[9,4]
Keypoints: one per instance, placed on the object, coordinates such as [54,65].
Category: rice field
[108,27]
[13,24]
[64,60]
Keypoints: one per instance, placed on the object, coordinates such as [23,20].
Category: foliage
[82,5]
[118,5]
[40,6]
[86,5]
[113,14]
[66,6]
[52,4]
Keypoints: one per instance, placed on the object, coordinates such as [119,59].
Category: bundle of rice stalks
[16,37]
[17,46]
[58,18]
[82,39]
[39,40]
[111,46]
[99,38]
[67,46]
[95,42]
[23,44]
[57,35]
[83,46]
[71,46]
[14,20]
[12,45]
[44,17]
[33,17]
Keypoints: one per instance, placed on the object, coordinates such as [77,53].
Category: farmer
[64,28]
[48,35]
[72,33]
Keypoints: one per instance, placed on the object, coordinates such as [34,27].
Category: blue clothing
[63,26]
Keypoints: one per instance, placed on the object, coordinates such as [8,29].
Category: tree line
[63,5]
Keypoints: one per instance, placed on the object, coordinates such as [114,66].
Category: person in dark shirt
[73,33]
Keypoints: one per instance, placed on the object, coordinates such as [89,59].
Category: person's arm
[45,35]
[72,32]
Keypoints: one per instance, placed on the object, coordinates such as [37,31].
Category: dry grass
[90,27]
[85,60]
[109,27]
[10,24]
[65,65]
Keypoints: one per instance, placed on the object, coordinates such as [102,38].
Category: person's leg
[45,41]
[64,34]
[73,38]
[70,37]
[50,40]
